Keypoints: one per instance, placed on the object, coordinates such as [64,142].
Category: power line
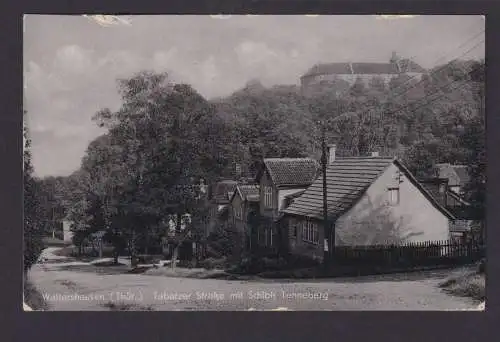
[434,72]
[437,70]
[443,57]
[419,106]
[430,101]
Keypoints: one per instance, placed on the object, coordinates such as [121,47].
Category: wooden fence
[435,253]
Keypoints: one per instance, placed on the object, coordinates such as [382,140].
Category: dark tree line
[143,173]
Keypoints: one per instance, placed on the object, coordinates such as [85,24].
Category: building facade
[371,201]
[279,178]
[333,73]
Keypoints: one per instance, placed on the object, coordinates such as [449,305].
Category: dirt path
[73,290]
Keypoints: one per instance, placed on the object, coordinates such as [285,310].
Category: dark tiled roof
[222,191]
[292,171]
[374,68]
[465,212]
[364,68]
[347,180]
[249,192]
[327,69]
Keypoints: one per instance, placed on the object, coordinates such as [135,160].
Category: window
[268,196]
[238,211]
[393,196]
[292,229]
[310,232]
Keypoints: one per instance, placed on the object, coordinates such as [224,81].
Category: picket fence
[431,253]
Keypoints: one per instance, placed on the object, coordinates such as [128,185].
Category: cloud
[209,69]
[163,59]
[73,59]
[252,53]
[71,66]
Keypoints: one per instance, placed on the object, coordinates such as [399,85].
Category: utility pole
[326,226]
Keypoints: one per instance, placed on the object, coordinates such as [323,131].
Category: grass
[71,252]
[107,263]
[198,273]
[54,242]
[33,297]
[466,282]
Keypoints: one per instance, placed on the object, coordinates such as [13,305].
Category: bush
[220,243]
[466,283]
[33,244]
[213,263]
[33,297]
[187,263]
[258,265]
[148,259]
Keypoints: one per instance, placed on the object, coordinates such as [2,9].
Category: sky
[71,63]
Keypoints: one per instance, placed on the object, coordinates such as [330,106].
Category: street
[75,290]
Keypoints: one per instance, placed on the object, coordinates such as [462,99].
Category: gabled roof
[347,180]
[290,171]
[247,192]
[456,174]
[403,66]
[222,191]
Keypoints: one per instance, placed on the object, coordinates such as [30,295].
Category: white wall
[372,220]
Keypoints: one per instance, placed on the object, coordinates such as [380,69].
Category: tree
[32,229]
[52,203]
[163,139]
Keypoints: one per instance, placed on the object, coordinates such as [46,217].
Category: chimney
[394,57]
[332,148]
[375,154]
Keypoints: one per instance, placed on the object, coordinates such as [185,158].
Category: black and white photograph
[254,163]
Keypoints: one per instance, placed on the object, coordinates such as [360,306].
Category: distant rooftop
[292,171]
[223,190]
[249,192]
[402,66]
[457,175]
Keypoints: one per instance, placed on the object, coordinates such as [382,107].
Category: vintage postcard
[254,162]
